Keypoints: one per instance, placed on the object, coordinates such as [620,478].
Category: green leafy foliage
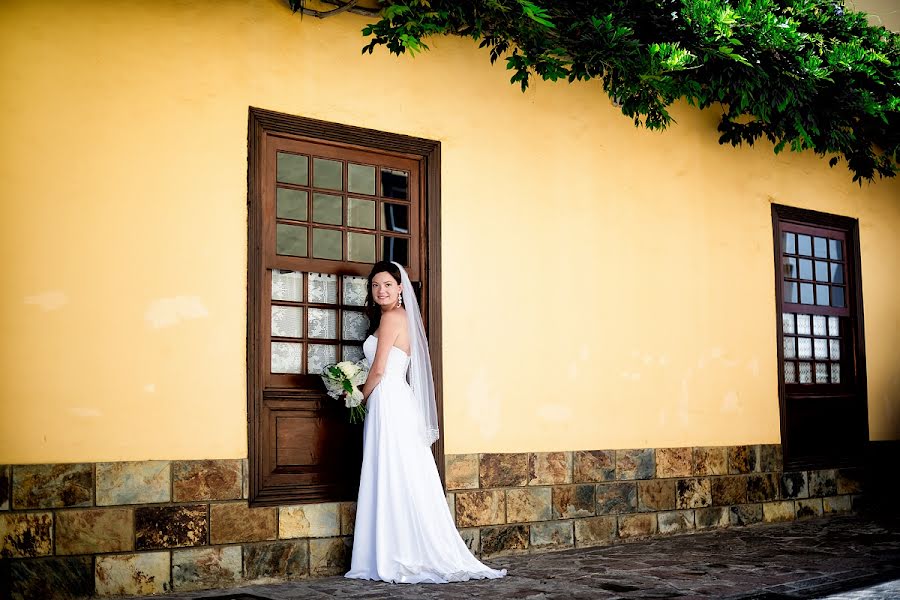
[803,74]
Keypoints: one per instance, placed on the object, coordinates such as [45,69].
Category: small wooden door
[821,358]
[322,211]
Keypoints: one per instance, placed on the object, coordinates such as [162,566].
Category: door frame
[800,216]
[264,122]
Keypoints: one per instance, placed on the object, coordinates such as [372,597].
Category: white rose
[348,368]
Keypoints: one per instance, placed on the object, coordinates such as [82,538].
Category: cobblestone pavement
[841,558]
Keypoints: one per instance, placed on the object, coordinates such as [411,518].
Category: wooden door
[322,211]
[821,351]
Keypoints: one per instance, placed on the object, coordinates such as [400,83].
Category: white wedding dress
[404,532]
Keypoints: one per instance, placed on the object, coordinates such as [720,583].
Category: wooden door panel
[309,444]
[826,431]
[297,441]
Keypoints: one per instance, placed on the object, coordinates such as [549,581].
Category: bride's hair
[373,311]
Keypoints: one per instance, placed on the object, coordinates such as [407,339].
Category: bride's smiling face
[385,290]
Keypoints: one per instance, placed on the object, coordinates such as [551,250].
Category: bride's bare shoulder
[396,317]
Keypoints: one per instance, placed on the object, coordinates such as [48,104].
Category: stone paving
[842,558]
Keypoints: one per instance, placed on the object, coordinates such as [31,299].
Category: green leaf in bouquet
[348,387]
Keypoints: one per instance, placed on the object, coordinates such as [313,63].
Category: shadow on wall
[893,400]
[881,481]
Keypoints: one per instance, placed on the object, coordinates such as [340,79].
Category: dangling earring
[400,299]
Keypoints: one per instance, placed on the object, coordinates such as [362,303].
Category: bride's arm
[388,332]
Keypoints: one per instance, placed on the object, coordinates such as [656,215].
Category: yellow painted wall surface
[604,286]
[881,12]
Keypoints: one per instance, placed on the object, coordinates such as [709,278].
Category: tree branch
[350,6]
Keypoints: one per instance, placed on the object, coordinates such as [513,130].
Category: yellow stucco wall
[881,12]
[604,286]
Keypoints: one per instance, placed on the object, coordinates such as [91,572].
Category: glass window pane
[822,295]
[287,285]
[806,271]
[353,353]
[396,249]
[291,204]
[804,245]
[287,321]
[789,242]
[818,322]
[837,273]
[327,244]
[328,174]
[837,296]
[361,247]
[789,267]
[319,356]
[361,213]
[322,323]
[327,209]
[787,322]
[290,240]
[361,179]
[821,373]
[804,347]
[790,372]
[835,251]
[292,168]
[833,327]
[395,217]
[354,325]
[803,327]
[790,292]
[821,270]
[355,289]
[323,288]
[820,247]
[820,348]
[805,375]
[790,347]
[394,184]
[835,373]
[835,347]
[806,293]
[286,357]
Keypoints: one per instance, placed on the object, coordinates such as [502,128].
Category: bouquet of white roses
[343,380]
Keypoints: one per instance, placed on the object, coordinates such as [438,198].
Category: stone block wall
[143,528]
[525,502]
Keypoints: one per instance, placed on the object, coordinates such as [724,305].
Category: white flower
[348,368]
[336,378]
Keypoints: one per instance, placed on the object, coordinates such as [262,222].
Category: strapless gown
[404,532]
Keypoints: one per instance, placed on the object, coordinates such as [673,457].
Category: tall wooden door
[821,351]
[322,211]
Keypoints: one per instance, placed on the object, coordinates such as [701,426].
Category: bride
[404,532]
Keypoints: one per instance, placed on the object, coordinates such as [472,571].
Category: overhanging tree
[804,74]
